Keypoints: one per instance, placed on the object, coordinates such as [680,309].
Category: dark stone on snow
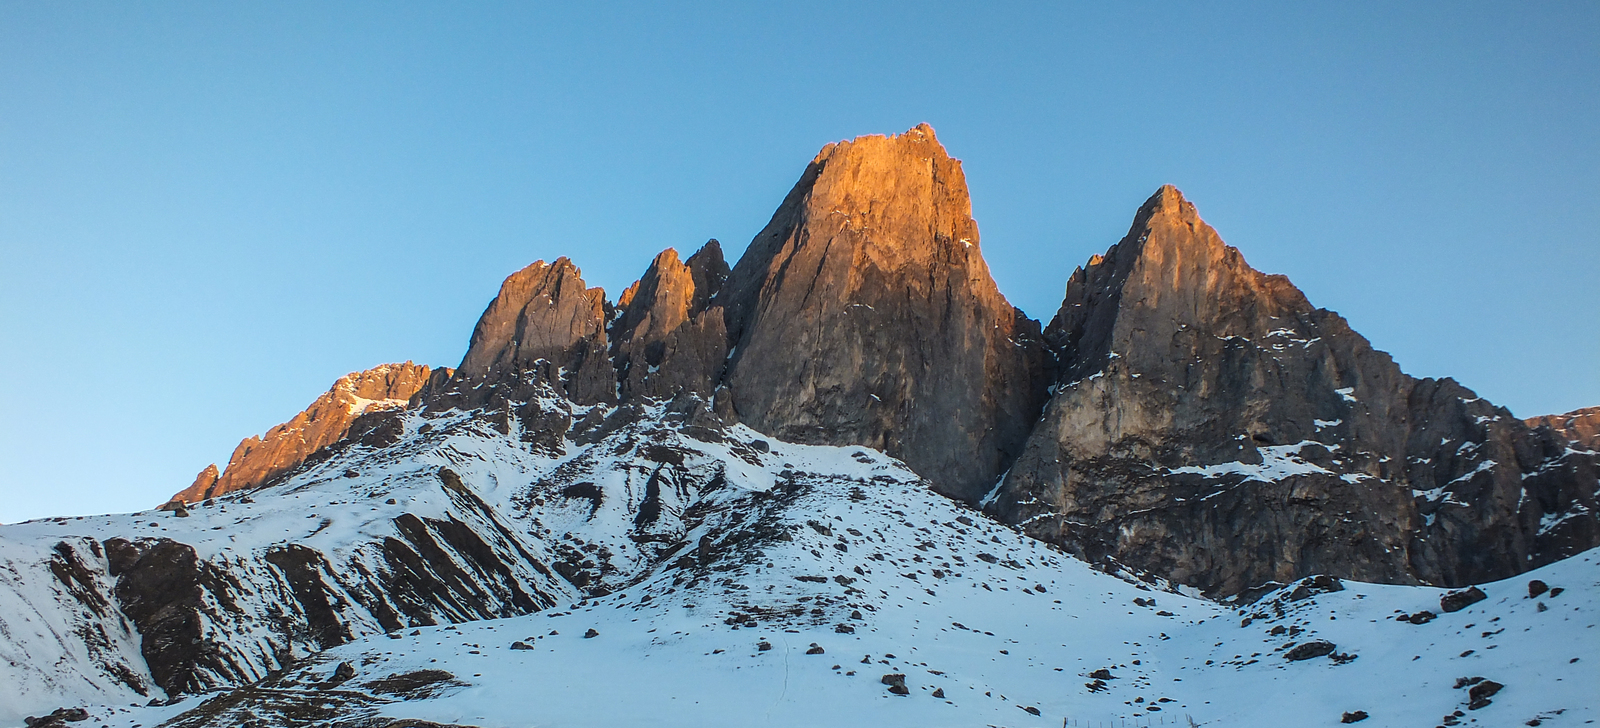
[60,717]
[1308,650]
[1354,716]
[1484,689]
[1459,600]
[1536,587]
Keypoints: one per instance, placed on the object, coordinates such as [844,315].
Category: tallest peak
[919,141]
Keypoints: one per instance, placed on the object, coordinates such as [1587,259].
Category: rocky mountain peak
[1207,410]
[864,314]
[1173,271]
[546,325]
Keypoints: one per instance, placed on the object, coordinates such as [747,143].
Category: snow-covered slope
[705,575]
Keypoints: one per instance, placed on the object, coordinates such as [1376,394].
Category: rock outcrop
[864,314]
[1210,425]
[1582,426]
[257,460]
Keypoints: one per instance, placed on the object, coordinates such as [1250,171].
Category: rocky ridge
[329,419]
[1182,412]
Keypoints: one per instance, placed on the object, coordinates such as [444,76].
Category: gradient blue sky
[210,211]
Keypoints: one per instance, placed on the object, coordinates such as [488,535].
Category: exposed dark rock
[160,586]
[303,568]
[1459,600]
[1479,694]
[1308,650]
[60,717]
[1536,587]
[1354,716]
[1319,584]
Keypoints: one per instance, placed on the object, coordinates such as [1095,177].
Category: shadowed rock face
[667,338]
[864,314]
[1582,426]
[258,460]
[1212,426]
[545,326]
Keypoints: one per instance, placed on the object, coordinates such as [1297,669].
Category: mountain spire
[864,314]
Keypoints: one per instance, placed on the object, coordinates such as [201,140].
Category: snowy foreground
[847,572]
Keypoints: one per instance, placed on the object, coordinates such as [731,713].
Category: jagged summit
[665,340]
[1209,423]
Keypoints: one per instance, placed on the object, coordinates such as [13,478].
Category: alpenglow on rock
[257,460]
[864,314]
[1581,426]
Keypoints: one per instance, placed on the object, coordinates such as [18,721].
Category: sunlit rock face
[1211,425]
[864,314]
[1581,426]
[329,419]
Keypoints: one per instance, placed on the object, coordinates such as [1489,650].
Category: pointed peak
[665,258]
[1168,202]
[710,253]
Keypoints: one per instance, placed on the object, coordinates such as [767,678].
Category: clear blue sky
[209,211]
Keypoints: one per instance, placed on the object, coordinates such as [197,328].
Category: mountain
[671,569]
[1190,493]
[1212,426]
[1582,426]
[328,420]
